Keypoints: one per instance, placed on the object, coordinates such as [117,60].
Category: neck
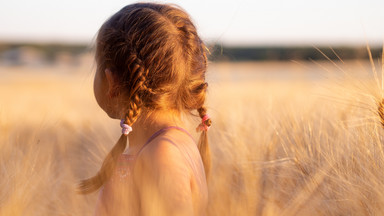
[148,124]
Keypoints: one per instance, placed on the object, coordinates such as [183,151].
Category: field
[290,138]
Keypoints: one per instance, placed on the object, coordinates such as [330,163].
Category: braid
[138,80]
[194,52]
[203,144]
[138,74]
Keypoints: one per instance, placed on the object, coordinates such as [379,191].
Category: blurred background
[47,32]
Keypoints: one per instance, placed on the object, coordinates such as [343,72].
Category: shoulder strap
[162,131]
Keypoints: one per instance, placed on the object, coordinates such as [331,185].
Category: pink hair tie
[126,129]
[202,126]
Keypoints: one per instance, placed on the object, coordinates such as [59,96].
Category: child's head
[159,62]
[157,57]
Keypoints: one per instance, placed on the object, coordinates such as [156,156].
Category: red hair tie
[202,126]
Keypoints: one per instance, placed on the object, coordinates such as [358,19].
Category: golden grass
[292,146]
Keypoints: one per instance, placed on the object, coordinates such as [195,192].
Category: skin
[161,173]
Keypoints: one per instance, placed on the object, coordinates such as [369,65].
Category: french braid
[196,57]
[133,111]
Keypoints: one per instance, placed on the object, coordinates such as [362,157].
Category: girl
[151,68]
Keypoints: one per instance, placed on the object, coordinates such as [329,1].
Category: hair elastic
[126,129]
[202,126]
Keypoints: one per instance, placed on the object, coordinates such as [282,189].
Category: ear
[112,83]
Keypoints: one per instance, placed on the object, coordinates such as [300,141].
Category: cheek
[99,90]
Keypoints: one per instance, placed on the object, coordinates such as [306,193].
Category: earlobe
[113,88]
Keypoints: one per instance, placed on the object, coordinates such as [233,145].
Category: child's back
[119,196]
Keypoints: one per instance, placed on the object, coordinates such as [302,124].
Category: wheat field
[291,138]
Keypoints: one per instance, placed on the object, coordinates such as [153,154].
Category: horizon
[374,44]
[240,23]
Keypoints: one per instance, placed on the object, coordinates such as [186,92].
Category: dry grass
[299,145]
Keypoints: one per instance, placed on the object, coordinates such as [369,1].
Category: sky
[239,22]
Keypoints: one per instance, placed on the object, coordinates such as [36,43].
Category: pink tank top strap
[162,131]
